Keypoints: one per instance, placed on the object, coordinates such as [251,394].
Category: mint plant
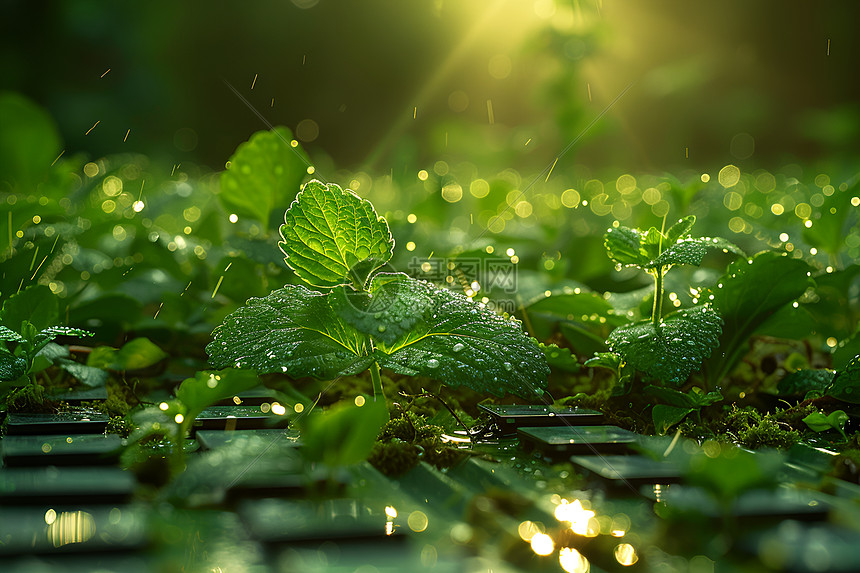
[665,348]
[366,317]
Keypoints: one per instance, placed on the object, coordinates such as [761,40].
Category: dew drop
[381,328]
[508,366]
[432,363]
[458,347]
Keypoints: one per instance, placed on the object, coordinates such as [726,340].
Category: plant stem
[378,394]
[657,314]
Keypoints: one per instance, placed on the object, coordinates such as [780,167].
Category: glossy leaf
[746,296]
[680,229]
[800,382]
[464,343]
[292,330]
[820,422]
[846,383]
[393,305]
[560,358]
[264,173]
[328,231]
[11,367]
[691,251]
[674,349]
[623,245]
[695,398]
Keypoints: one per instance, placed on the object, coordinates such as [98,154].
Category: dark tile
[78,449]
[63,423]
[565,441]
[57,485]
[507,418]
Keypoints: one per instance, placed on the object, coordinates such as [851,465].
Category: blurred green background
[388,85]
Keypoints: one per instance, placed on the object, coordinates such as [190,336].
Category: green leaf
[665,417]
[680,229]
[460,342]
[11,367]
[292,330]
[208,387]
[327,231]
[746,296]
[89,376]
[846,383]
[800,382]
[264,172]
[389,311]
[624,246]
[134,355]
[691,251]
[674,349]
[345,434]
[29,142]
[36,304]
[609,360]
[8,335]
[819,422]
[560,358]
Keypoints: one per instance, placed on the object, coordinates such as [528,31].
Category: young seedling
[363,317]
[665,348]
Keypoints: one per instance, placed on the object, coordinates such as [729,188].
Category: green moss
[749,428]
[408,439]
[31,398]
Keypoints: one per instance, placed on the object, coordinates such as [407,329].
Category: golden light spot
[499,66]
[311,170]
[626,554]
[807,223]
[417,521]
[855,201]
[163,406]
[625,184]
[410,246]
[390,511]
[510,252]
[265,407]
[112,186]
[524,209]
[660,208]
[832,342]
[46,448]
[542,544]
[736,224]
[573,561]
[233,217]
[119,233]
[777,209]
[803,210]
[571,198]
[423,175]
[71,527]
[36,219]
[733,201]
[293,143]
[411,218]
[729,176]
[109,206]
[191,214]
[359,401]
[822,179]
[490,249]
[299,408]
[705,177]
[765,182]
[528,529]
[783,237]
[278,409]
[828,190]
[50,516]
[651,195]
[479,188]
[452,192]
[440,168]
[179,418]
[138,206]
[91,169]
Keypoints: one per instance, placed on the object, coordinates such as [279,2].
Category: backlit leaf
[264,173]
[691,251]
[328,231]
[460,342]
[624,246]
[292,330]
